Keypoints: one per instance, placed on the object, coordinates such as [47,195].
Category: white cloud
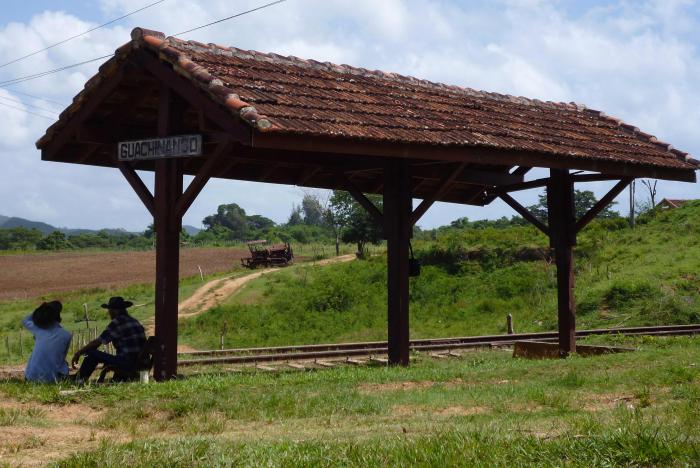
[635,60]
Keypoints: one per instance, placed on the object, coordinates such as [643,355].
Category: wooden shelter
[267,118]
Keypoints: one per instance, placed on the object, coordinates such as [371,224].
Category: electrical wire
[49,72]
[80,34]
[28,112]
[60,104]
[230,17]
[17,101]
[22,79]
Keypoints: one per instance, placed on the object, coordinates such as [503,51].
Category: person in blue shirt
[51,341]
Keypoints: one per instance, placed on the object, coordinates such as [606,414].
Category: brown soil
[63,430]
[29,276]
[408,410]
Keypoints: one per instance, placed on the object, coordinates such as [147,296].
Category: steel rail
[340,350]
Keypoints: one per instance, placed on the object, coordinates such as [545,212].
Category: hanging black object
[413,263]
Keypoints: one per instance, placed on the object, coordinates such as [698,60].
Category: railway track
[347,351]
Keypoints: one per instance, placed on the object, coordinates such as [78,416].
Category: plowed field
[27,276]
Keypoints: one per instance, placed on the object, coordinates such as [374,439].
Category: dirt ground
[27,276]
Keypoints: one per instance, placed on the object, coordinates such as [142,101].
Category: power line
[28,112]
[230,17]
[28,105]
[61,104]
[81,34]
[56,70]
[49,72]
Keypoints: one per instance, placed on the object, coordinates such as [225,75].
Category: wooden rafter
[237,130]
[444,186]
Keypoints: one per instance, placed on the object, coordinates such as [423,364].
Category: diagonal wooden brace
[602,203]
[361,199]
[445,185]
[200,180]
[137,184]
[524,212]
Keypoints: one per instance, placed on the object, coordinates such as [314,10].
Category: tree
[259,223]
[54,241]
[232,217]
[583,201]
[295,216]
[19,238]
[356,225]
[313,211]
[651,187]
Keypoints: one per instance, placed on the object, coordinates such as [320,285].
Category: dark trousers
[93,358]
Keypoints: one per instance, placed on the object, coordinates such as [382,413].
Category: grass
[471,280]
[485,408]
[12,312]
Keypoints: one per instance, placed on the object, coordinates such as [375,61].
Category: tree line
[331,218]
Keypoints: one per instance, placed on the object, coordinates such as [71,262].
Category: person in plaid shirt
[124,332]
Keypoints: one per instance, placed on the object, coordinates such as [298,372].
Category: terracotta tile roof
[289,95]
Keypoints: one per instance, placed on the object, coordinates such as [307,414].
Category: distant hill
[9,222]
[14,222]
[191,230]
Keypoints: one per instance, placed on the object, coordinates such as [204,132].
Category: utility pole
[632,203]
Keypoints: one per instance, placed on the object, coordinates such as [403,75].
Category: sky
[636,60]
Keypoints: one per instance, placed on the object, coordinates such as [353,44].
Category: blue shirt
[48,360]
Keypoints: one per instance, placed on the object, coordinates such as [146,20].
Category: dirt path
[215,292]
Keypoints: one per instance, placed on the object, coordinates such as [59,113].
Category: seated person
[124,332]
[51,341]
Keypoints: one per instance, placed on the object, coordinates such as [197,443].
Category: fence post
[509,321]
[222,341]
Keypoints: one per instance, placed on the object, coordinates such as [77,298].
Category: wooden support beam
[561,211]
[525,213]
[521,170]
[468,176]
[361,199]
[397,229]
[200,180]
[168,224]
[602,203]
[137,184]
[307,174]
[267,172]
[519,186]
[444,186]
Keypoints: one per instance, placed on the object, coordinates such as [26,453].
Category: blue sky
[636,60]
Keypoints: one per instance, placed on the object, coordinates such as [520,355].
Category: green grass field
[472,279]
[482,409]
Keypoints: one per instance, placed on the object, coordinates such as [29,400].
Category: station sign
[180,146]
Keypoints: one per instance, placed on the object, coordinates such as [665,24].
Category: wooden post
[509,323]
[562,227]
[168,188]
[397,230]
